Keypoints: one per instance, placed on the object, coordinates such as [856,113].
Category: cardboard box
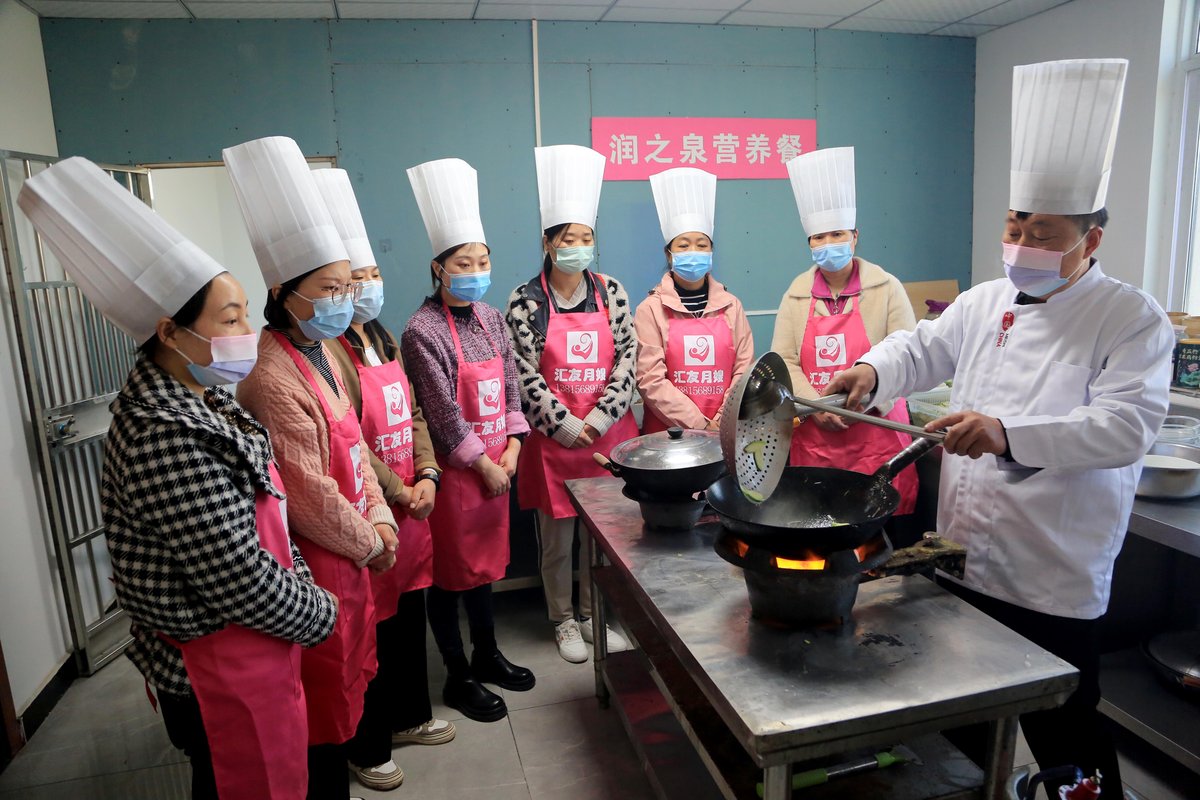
[920,291]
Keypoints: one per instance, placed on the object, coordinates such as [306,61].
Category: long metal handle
[912,430]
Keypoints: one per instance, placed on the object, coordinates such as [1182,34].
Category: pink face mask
[1035,271]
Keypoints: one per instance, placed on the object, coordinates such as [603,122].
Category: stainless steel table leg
[777,782]
[599,639]
[998,761]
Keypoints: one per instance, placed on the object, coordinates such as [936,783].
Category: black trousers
[1074,734]
[185,729]
[328,778]
[397,697]
[443,621]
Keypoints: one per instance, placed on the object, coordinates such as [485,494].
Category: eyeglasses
[339,294]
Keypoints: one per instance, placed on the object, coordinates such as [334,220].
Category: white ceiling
[939,17]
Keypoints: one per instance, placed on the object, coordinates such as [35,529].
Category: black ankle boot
[493,667]
[463,692]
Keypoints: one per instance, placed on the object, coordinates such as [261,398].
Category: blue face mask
[575,259]
[369,303]
[329,319]
[469,286]
[833,257]
[692,265]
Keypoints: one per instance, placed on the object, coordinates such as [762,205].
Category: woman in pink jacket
[694,340]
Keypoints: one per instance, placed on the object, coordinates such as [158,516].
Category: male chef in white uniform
[1061,378]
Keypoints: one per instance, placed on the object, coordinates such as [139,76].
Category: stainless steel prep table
[916,659]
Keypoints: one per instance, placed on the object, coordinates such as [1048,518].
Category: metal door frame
[97,642]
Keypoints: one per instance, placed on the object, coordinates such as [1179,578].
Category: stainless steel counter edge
[1172,523]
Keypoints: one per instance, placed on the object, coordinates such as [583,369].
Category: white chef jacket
[1080,383]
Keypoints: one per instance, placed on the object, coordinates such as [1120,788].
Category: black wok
[679,482]
[815,510]
[672,463]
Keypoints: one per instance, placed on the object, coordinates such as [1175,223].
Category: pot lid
[1178,651]
[674,448]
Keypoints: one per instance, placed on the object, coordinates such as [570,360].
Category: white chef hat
[290,228]
[447,193]
[686,200]
[130,263]
[335,189]
[823,182]
[569,180]
[1064,129]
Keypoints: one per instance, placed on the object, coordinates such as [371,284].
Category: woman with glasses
[336,512]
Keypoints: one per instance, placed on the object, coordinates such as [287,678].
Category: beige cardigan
[883,302]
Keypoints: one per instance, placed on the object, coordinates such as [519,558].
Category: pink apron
[387,426]
[470,529]
[576,363]
[699,359]
[336,672]
[249,690]
[831,345]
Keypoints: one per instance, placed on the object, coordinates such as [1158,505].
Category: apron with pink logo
[470,529]
[576,363]
[387,426]
[699,360]
[336,672]
[248,686]
[831,345]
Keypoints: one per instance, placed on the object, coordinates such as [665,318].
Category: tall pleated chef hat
[447,193]
[290,228]
[130,263]
[686,199]
[1064,130]
[569,180]
[335,189]
[823,182]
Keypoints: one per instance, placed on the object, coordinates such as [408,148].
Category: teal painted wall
[385,95]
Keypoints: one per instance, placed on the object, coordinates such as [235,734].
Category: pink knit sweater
[280,397]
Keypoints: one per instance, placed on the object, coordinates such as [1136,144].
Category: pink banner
[728,147]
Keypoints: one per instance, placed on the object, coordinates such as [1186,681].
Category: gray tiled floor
[103,741]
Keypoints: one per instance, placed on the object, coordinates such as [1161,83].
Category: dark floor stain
[881,638]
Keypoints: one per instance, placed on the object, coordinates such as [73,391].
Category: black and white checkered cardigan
[178,500]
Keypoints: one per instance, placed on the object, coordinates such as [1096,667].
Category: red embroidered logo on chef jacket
[698,351]
[395,403]
[1006,322]
[489,397]
[581,347]
[831,350]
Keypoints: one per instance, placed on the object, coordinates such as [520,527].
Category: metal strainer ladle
[756,425]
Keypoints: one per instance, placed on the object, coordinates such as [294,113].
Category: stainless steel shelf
[1136,699]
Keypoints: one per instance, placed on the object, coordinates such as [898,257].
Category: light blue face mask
[469,286]
[329,319]
[833,257]
[575,259]
[691,265]
[369,303]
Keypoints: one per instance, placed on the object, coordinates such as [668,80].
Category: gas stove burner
[816,589]
[667,513]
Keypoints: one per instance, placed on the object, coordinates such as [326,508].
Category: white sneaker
[570,643]
[616,643]
[383,778]
[435,731]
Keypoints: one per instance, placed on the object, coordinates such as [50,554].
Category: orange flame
[809,564]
